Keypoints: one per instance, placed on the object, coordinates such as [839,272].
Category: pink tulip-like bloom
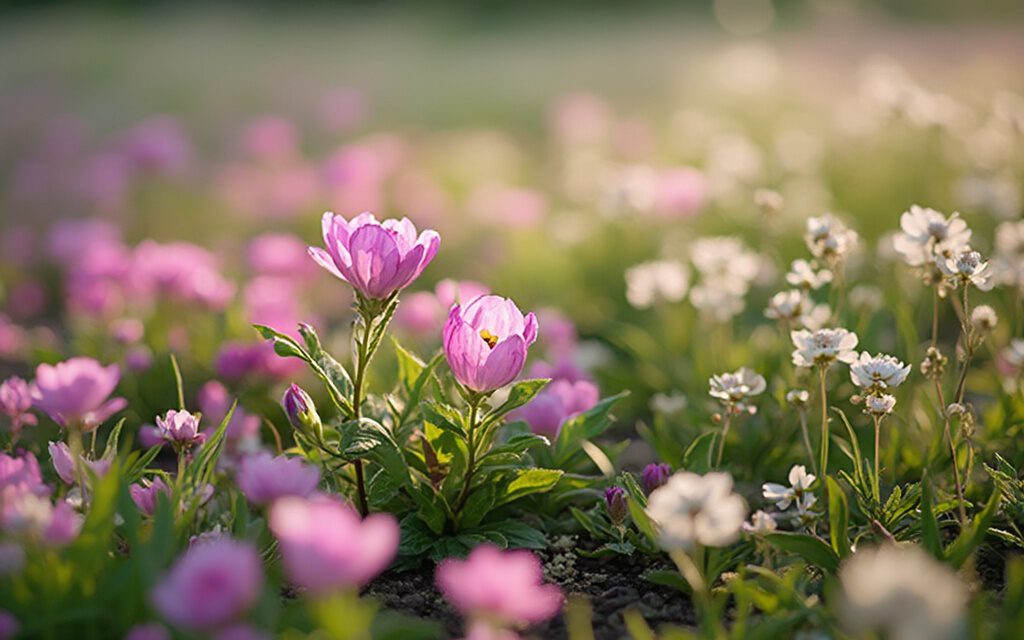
[180,428]
[264,478]
[376,258]
[486,342]
[16,402]
[64,463]
[76,393]
[325,546]
[212,585]
[504,587]
[557,403]
[145,494]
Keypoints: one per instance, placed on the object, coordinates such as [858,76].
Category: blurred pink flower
[422,314]
[156,145]
[563,369]
[580,118]
[210,586]
[144,494]
[76,393]
[680,192]
[507,206]
[20,474]
[180,271]
[344,109]
[556,403]
[486,342]
[34,517]
[215,402]
[241,631]
[8,625]
[560,337]
[376,258]
[451,292]
[326,547]
[504,587]
[26,299]
[264,478]
[71,239]
[16,403]
[279,254]
[64,463]
[270,139]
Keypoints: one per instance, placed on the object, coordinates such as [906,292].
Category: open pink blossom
[558,402]
[20,474]
[486,342]
[16,403]
[64,463]
[264,478]
[76,393]
[180,428]
[501,586]
[326,547]
[376,258]
[210,586]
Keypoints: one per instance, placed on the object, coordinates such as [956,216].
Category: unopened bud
[300,410]
[654,475]
[615,502]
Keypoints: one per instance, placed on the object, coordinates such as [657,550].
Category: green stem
[878,429]
[823,460]
[474,406]
[362,360]
[725,433]
[807,441]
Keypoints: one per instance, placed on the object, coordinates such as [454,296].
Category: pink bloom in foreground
[558,402]
[76,393]
[486,342]
[376,258]
[145,494]
[326,547]
[501,586]
[16,402]
[210,586]
[264,478]
[64,463]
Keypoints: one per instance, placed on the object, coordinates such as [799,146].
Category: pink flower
[144,494]
[76,393]
[486,342]
[64,464]
[501,586]
[21,475]
[180,428]
[451,292]
[271,139]
[376,258]
[680,192]
[655,475]
[15,403]
[34,517]
[8,625]
[279,254]
[558,402]
[326,547]
[264,478]
[180,271]
[157,145]
[422,313]
[210,586]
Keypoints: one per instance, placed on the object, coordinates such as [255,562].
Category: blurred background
[163,165]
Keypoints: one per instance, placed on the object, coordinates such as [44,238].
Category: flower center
[489,338]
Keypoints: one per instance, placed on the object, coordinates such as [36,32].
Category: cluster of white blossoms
[1008,259]
[806,275]
[796,309]
[657,281]
[735,389]
[823,347]
[829,239]
[877,375]
[797,493]
[929,239]
[727,269]
[761,522]
[901,593]
[691,509]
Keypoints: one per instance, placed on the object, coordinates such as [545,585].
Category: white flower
[865,297]
[727,269]
[769,202]
[796,493]
[901,593]
[878,372]
[802,274]
[798,398]
[760,522]
[668,403]
[1011,359]
[928,234]
[966,268]
[984,318]
[651,282]
[1008,260]
[692,509]
[734,389]
[879,404]
[797,308]
[716,301]
[828,237]
[823,347]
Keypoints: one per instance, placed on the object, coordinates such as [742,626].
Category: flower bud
[615,501]
[654,475]
[300,410]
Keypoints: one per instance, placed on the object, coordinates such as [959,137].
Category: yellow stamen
[489,338]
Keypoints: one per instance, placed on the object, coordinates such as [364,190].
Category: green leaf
[478,504]
[389,625]
[838,518]
[431,510]
[517,533]
[974,534]
[417,538]
[667,578]
[810,548]
[529,481]
[444,417]
[930,538]
[520,393]
[332,374]
[698,455]
[588,425]
[368,439]
[642,522]
[518,444]
[409,366]
[857,457]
